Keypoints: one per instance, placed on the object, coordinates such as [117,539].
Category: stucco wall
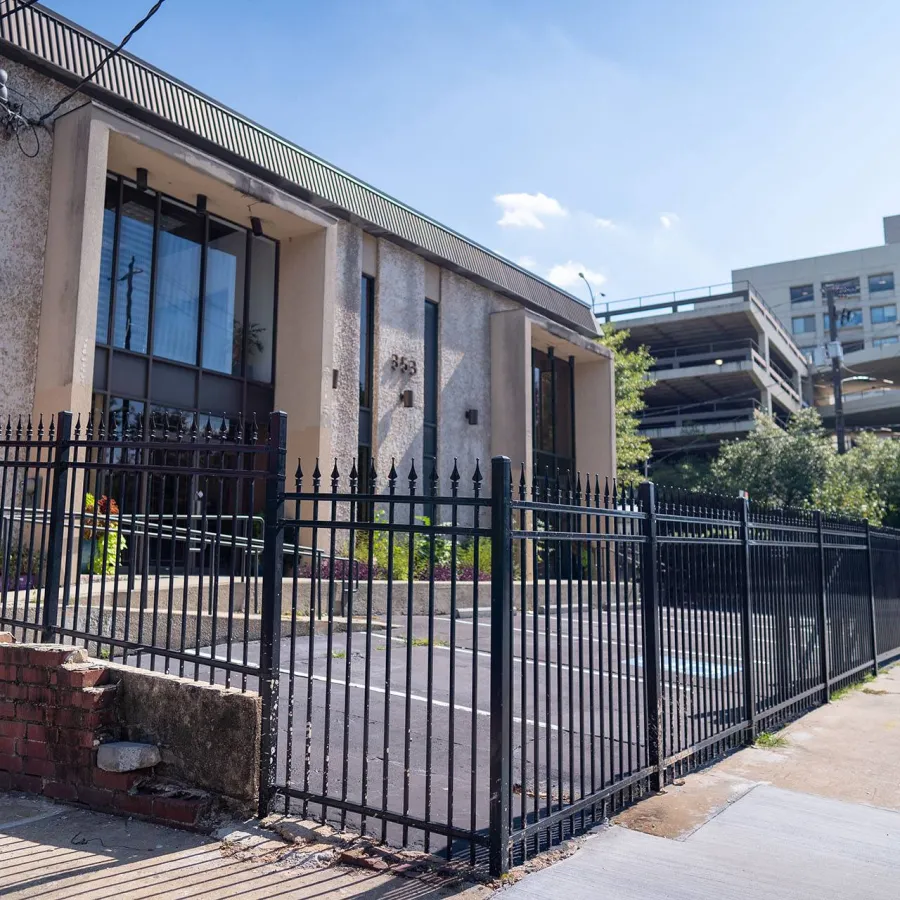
[24,209]
[345,397]
[400,330]
[465,374]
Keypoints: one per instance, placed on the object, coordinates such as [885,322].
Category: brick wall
[56,707]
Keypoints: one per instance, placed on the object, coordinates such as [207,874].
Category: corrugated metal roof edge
[584,325]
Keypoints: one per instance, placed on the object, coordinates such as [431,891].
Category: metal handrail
[194,538]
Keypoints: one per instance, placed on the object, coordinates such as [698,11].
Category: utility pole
[129,297]
[836,360]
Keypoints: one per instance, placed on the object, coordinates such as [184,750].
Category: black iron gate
[469,664]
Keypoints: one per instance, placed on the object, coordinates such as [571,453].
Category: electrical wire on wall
[21,119]
[14,122]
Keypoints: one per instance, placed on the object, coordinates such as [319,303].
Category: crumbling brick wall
[56,707]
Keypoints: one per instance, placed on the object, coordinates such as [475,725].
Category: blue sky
[654,145]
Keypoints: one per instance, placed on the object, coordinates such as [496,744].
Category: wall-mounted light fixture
[406,399]
[141,179]
[201,203]
[256,225]
[335,374]
[720,362]
[472,416]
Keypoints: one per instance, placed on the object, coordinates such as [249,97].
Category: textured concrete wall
[208,735]
[24,209]
[344,406]
[400,330]
[465,374]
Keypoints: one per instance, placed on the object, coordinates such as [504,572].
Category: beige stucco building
[163,256]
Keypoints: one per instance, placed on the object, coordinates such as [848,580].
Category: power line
[56,106]
[16,7]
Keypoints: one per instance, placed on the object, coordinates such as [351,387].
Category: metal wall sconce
[256,225]
[141,179]
[335,374]
[406,399]
[201,203]
[472,416]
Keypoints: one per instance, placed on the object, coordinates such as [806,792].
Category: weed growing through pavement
[848,689]
[338,654]
[769,741]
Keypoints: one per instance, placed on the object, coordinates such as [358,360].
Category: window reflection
[258,339]
[132,289]
[223,312]
[104,298]
[177,311]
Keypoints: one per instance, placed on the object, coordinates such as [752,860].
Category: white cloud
[566,275]
[606,224]
[527,262]
[669,219]
[528,210]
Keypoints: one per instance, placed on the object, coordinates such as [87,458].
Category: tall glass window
[177,302]
[134,267]
[553,429]
[223,309]
[430,415]
[107,261]
[186,309]
[366,379]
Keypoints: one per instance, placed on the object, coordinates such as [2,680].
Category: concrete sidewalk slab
[817,817]
[771,842]
[61,853]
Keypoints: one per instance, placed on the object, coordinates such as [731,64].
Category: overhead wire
[112,52]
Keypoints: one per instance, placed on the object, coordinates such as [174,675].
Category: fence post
[824,648]
[650,634]
[747,623]
[56,528]
[270,624]
[872,598]
[501,663]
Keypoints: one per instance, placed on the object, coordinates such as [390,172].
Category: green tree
[632,373]
[690,473]
[865,481]
[783,466]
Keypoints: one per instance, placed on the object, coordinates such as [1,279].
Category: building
[866,301]
[163,256]
[720,355]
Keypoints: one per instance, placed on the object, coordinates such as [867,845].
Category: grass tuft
[338,654]
[769,741]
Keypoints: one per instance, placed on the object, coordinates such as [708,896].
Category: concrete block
[127,756]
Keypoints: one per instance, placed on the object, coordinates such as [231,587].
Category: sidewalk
[818,817]
[61,853]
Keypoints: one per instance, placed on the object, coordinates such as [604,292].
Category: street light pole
[836,371]
[590,289]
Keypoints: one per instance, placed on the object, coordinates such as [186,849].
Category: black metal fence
[470,664]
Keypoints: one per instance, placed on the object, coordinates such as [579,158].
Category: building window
[802,293]
[854,346]
[803,324]
[176,289]
[879,283]
[431,356]
[553,428]
[843,287]
[847,318]
[366,386]
[883,342]
[882,314]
